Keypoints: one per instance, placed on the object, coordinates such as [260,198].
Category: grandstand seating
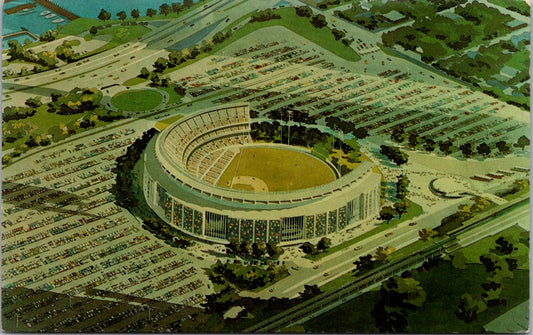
[199,145]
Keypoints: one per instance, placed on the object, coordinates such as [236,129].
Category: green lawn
[518,6]
[136,100]
[301,26]
[472,252]
[413,211]
[444,285]
[134,81]
[173,97]
[123,34]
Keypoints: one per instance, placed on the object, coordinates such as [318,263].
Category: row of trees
[319,21]
[122,190]
[250,279]
[414,141]
[401,205]
[257,250]
[394,154]
[322,246]
[164,9]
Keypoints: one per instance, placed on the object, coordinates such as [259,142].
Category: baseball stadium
[206,176]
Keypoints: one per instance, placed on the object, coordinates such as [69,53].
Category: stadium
[205,176]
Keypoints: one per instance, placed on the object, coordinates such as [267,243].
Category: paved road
[319,304]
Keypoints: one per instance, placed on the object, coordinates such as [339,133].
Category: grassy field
[512,235]
[167,122]
[281,170]
[134,81]
[301,26]
[136,100]
[444,285]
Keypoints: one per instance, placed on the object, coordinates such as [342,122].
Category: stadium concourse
[183,164]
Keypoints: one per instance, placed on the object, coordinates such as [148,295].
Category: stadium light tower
[289,138]
[341,140]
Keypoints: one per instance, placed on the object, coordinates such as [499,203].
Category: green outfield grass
[136,100]
[280,169]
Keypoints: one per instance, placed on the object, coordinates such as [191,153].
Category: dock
[17,9]
[55,8]
[23,31]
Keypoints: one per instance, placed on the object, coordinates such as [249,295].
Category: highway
[461,238]
[123,62]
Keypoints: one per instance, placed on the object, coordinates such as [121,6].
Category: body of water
[37,23]
[30,19]
[91,8]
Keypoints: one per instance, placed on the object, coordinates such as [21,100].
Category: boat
[46,12]
[49,16]
[58,20]
[25,11]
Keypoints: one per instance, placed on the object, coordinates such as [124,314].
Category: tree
[176,7]
[394,154]
[245,249]
[399,296]
[503,147]
[360,132]
[427,234]
[401,187]
[310,291]
[233,247]
[104,15]
[135,13]
[323,244]
[258,249]
[121,15]
[16,51]
[308,248]
[164,9]
[504,247]
[401,207]
[466,149]
[387,213]
[48,35]
[522,142]
[483,149]
[469,307]
[319,21]
[383,255]
[459,260]
[304,11]
[397,135]
[429,145]
[273,250]
[446,147]
[93,30]
[160,64]
[150,12]
[364,264]
[338,34]
[144,73]
[34,102]
[414,141]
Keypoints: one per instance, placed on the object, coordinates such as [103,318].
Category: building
[394,17]
[182,164]
[515,24]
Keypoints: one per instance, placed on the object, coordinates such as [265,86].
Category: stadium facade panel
[184,162]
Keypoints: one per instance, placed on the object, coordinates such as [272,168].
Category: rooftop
[393,15]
